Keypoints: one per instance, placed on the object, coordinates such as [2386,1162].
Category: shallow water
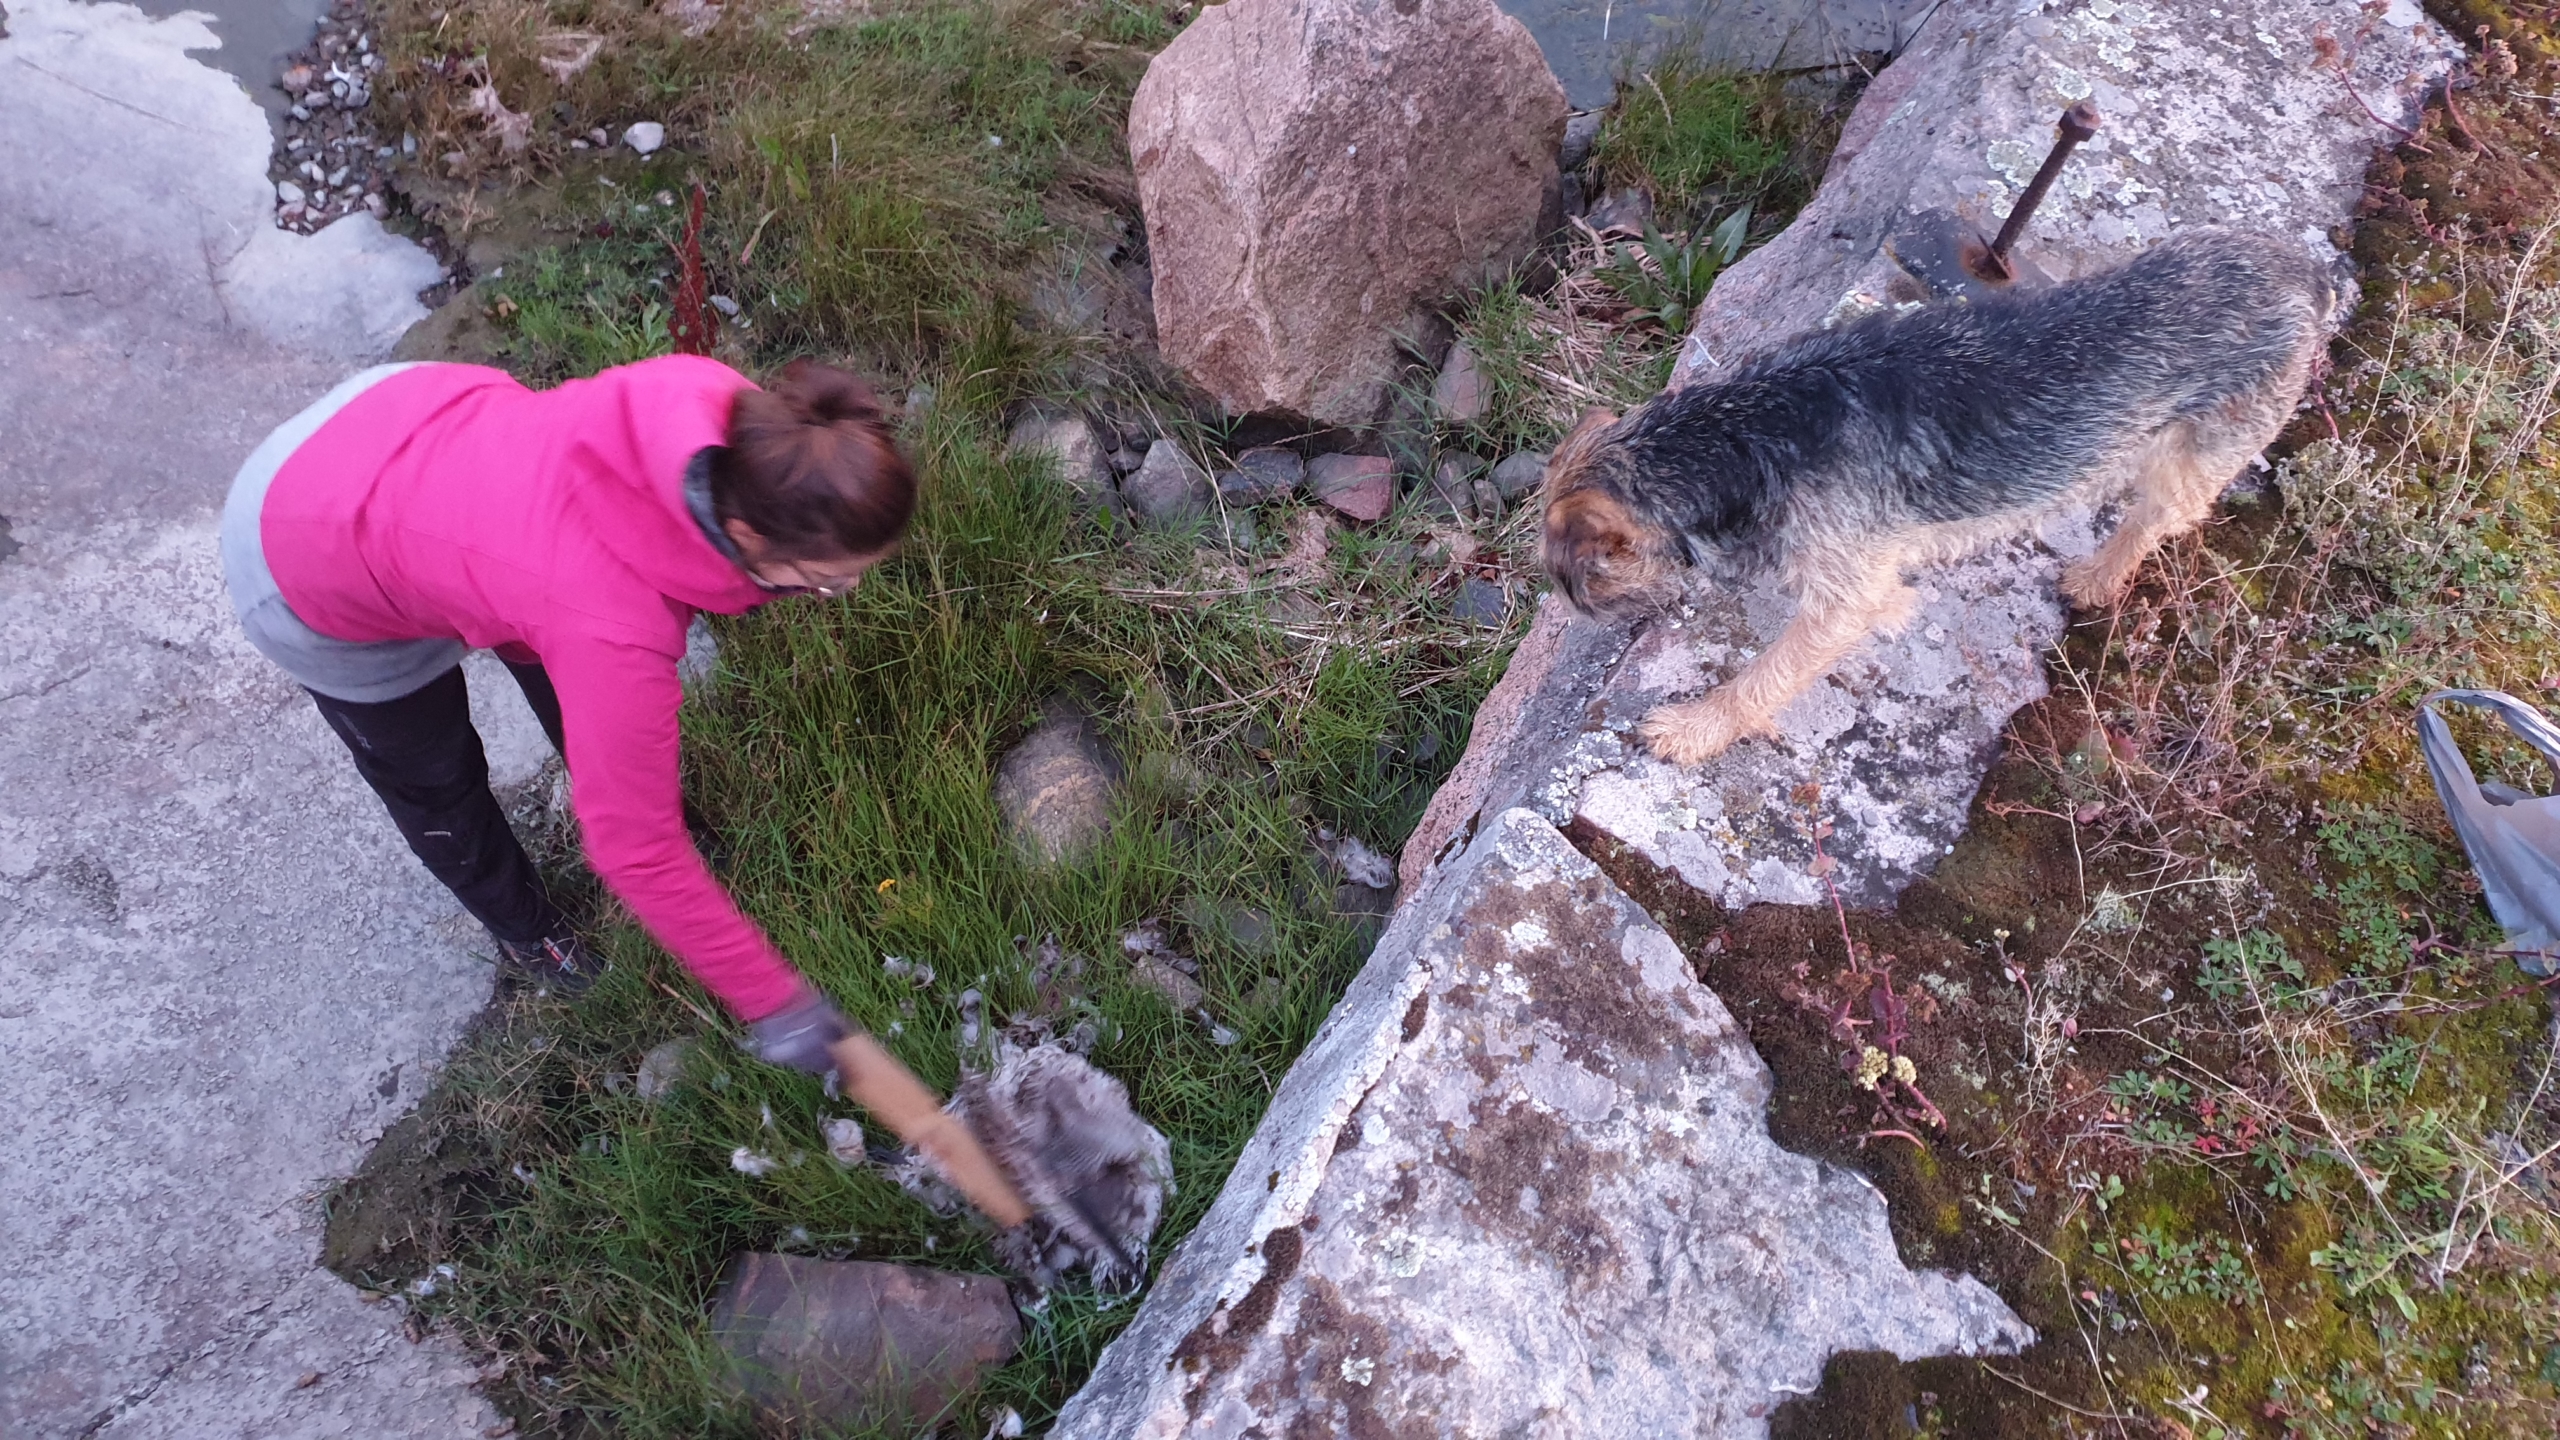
[1586,41]
[256,36]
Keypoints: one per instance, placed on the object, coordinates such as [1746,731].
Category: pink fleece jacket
[449,500]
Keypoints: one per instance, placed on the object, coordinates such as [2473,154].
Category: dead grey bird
[1095,1174]
[2513,838]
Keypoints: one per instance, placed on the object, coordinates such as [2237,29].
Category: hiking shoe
[561,965]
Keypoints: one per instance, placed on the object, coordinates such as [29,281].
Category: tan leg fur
[1845,598]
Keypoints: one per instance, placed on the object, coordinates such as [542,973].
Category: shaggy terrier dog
[1850,456]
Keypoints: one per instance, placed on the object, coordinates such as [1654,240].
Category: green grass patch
[877,177]
[1699,139]
[1727,160]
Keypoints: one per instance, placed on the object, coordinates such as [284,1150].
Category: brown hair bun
[811,466]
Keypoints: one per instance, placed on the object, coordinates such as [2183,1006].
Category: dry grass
[2348,1073]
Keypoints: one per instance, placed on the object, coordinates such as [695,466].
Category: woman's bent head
[810,486]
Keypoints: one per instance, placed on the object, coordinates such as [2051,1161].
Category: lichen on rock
[1524,1177]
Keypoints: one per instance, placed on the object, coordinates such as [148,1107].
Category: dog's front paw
[2094,584]
[1696,731]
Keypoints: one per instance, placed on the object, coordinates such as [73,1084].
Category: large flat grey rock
[1522,1183]
[225,972]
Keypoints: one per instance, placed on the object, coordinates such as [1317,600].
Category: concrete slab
[226,973]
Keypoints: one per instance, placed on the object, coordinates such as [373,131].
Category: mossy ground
[891,189]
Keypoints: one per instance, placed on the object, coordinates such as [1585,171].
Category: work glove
[798,1035]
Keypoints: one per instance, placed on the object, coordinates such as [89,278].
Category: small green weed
[583,308]
[1665,279]
[2388,878]
[2171,1268]
[2257,966]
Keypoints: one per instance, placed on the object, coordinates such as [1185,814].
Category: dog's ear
[1565,465]
[1600,554]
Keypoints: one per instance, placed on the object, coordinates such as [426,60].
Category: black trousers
[422,756]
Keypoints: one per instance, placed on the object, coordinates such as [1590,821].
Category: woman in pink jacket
[418,512]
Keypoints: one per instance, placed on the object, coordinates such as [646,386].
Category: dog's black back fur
[1963,411]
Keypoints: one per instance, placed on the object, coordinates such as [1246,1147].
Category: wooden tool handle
[873,1079]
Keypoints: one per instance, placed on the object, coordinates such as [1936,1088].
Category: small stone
[1481,602]
[1126,460]
[296,79]
[1629,210]
[1360,486]
[288,193]
[1056,787]
[1262,475]
[1157,966]
[725,306]
[1069,441]
[595,137]
[1581,132]
[1179,990]
[858,1344]
[377,205]
[645,137]
[1452,488]
[1365,906]
[1519,474]
[661,1068]
[1233,923]
[1458,395]
[1169,489]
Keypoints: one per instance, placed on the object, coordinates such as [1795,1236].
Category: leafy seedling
[1665,277]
